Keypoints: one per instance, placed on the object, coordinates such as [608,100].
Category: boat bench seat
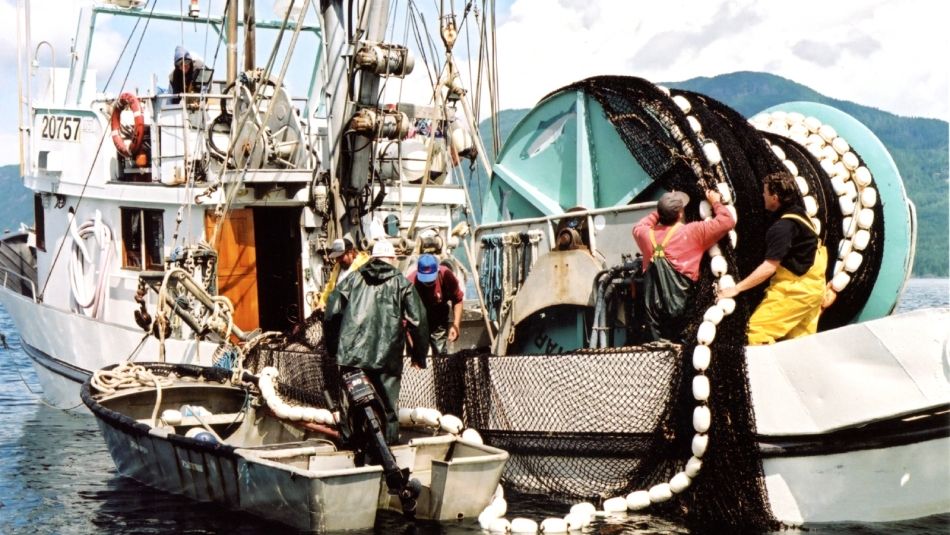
[214,419]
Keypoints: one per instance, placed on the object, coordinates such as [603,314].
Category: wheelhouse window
[142,238]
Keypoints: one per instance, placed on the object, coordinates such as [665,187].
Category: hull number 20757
[59,127]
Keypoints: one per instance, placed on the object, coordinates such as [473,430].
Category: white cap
[383,249]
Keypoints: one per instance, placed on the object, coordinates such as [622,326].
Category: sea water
[56,476]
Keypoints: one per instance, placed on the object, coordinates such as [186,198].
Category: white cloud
[887,54]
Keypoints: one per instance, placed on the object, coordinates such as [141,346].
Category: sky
[889,54]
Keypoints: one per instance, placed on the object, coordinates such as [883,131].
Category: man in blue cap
[442,297]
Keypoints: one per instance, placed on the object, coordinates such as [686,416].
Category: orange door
[237,264]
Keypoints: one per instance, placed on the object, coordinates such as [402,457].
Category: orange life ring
[127,100]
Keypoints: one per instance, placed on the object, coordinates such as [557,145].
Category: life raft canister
[130,101]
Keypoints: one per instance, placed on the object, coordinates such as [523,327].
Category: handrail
[6,274]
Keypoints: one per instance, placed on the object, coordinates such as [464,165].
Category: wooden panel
[237,264]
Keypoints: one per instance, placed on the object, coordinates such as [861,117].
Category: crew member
[672,252]
[182,79]
[365,318]
[347,259]
[795,260]
[442,297]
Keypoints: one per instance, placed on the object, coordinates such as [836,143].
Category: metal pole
[231,32]
[249,38]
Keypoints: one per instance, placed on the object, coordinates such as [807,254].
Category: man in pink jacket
[672,252]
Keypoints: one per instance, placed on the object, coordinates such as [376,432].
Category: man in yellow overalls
[795,259]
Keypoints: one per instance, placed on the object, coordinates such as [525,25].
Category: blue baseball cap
[427,270]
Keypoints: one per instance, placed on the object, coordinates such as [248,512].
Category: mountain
[919,147]
[16,200]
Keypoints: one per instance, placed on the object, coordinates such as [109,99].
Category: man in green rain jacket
[367,317]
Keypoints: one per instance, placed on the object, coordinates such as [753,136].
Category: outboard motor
[364,413]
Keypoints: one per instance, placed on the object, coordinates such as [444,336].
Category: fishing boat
[202,433]
[154,237]
[171,226]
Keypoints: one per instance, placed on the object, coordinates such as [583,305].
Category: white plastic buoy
[811,205]
[846,205]
[500,505]
[862,176]
[615,505]
[576,522]
[471,435]
[794,117]
[827,132]
[679,482]
[861,239]
[682,103]
[840,281]
[714,315]
[664,89]
[310,414]
[837,184]
[451,424]
[693,466]
[705,210]
[847,226]
[295,413]
[812,123]
[701,357]
[718,265]
[486,517]
[724,192]
[702,419]
[699,444]
[851,190]
[700,387]
[817,224]
[324,416]
[499,525]
[850,160]
[714,251]
[638,500]
[726,281]
[660,493]
[554,525]
[281,410]
[694,124]
[727,304]
[792,168]
[802,185]
[431,417]
[844,248]
[732,212]
[711,150]
[798,130]
[171,416]
[706,333]
[524,525]
[405,416]
[733,238]
[840,145]
[778,116]
[829,153]
[583,508]
[778,151]
[853,261]
[868,197]
[866,218]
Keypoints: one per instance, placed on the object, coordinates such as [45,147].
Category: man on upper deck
[183,78]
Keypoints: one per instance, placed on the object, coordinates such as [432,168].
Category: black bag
[666,294]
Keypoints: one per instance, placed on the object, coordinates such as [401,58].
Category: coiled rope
[129,375]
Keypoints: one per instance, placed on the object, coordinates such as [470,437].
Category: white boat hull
[875,485]
[65,347]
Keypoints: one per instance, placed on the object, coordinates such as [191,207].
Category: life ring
[130,101]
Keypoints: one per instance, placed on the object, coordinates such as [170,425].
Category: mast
[249,36]
[231,33]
